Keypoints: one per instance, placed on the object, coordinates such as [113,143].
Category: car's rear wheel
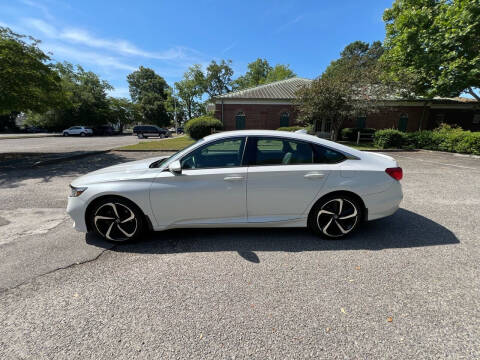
[335,216]
[116,219]
[65,134]
[162,136]
[83,134]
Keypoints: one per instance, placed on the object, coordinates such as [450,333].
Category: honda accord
[249,178]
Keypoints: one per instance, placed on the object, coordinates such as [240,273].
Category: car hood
[125,171]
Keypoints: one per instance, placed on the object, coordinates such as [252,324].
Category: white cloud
[40,25]
[289,23]
[46,13]
[83,37]
[86,57]
[229,47]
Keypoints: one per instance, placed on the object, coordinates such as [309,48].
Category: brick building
[271,106]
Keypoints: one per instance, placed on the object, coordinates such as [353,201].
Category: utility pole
[175,109]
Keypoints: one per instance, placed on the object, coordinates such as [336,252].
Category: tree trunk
[471,92]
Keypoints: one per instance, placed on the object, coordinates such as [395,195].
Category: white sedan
[250,178]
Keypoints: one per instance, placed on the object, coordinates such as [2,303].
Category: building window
[284,119]
[361,121]
[240,120]
[402,123]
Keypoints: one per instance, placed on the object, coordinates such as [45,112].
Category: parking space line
[439,163]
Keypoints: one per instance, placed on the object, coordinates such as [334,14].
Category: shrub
[350,134]
[420,139]
[291,128]
[469,144]
[389,138]
[202,126]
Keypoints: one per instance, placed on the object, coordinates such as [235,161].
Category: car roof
[285,134]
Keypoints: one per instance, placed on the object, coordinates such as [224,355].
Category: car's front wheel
[65,133]
[335,216]
[116,219]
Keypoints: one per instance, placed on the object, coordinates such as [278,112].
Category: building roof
[286,90]
[278,90]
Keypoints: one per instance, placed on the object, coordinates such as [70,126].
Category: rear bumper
[76,209]
[385,203]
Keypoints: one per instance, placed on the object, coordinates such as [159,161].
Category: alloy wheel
[337,217]
[115,221]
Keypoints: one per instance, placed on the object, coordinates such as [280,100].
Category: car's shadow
[404,229]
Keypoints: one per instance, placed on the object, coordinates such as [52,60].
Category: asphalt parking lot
[60,144]
[402,287]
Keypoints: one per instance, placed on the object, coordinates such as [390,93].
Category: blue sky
[113,38]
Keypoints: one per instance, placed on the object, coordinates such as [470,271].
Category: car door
[210,189]
[284,178]
[75,130]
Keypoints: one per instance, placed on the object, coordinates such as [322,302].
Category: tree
[435,43]
[357,55]
[260,72]
[27,80]
[149,91]
[123,112]
[190,90]
[218,78]
[279,72]
[85,97]
[351,86]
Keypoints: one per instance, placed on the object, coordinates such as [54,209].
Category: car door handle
[233,178]
[313,176]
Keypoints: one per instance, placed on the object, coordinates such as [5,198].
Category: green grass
[173,144]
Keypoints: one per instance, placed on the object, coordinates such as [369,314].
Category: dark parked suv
[144,131]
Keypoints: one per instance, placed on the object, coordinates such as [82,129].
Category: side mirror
[175,167]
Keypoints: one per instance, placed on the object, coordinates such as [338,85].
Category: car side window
[325,155]
[220,154]
[273,151]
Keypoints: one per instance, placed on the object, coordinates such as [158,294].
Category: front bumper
[76,209]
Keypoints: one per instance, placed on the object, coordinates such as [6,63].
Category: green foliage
[260,72]
[27,79]
[389,138]
[292,128]
[350,134]
[190,90]
[218,78]
[357,57]
[123,112]
[150,92]
[444,138]
[434,44]
[202,126]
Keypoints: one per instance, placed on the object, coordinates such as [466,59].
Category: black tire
[116,219]
[335,216]
[83,134]
[162,136]
[65,134]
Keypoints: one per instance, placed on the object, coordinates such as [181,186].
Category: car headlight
[76,191]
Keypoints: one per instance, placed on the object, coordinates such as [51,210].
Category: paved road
[258,293]
[65,144]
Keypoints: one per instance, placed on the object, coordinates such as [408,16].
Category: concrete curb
[13,137]
[4,165]
[71,157]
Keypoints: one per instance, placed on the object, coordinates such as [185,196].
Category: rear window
[325,155]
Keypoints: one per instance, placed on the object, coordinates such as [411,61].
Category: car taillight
[396,173]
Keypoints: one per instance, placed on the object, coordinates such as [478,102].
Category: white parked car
[251,178]
[78,130]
